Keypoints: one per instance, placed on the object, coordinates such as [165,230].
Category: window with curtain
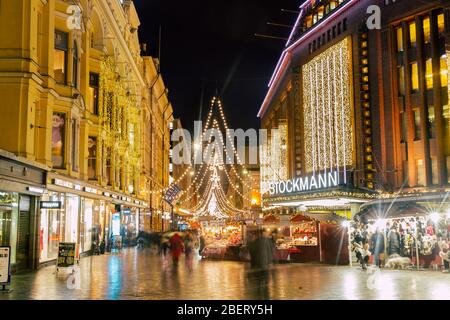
[399,33]
[441,23]
[414,77]
[444,71]
[412,35]
[429,73]
[60,56]
[417,125]
[426,30]
[401,80]
[94,89]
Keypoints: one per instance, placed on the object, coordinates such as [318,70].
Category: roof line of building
[287,53]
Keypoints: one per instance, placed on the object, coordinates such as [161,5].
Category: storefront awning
[405,205]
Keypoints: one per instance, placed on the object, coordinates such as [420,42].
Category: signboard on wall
[50,205]
[66,254]
[5,263]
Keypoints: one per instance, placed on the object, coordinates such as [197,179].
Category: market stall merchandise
[420,236]
[222,241]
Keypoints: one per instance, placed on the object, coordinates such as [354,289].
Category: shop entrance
[5,225]
[23,233]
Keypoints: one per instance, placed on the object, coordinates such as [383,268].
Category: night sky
[209,45]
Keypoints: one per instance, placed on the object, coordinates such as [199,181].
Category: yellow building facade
[81,105]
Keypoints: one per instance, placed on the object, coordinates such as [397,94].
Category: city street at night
[138,274]
[186,153]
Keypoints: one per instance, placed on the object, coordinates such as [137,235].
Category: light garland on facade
[327,109]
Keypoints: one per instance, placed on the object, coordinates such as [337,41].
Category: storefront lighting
[346,224]
[434,216]
[380,224]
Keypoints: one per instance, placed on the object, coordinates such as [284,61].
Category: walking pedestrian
[176,247]
[189,251]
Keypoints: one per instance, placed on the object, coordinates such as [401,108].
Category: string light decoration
[120,127]
[273,155]
[365,103]
[327,92]
[213,201]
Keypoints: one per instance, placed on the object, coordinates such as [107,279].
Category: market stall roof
[271,219]
[299,218]
[398,210]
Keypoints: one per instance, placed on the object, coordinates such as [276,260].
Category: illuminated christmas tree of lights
[213,201]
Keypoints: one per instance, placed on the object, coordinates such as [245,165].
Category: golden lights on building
[81,104]
[328,109]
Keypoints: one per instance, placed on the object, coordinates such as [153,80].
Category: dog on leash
[396,261]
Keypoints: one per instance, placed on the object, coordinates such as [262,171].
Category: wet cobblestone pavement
[139,274]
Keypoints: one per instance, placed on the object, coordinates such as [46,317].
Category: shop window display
[8,221]
[51,229]
[71,218]
[86,225]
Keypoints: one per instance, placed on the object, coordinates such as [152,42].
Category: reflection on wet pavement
[139,274]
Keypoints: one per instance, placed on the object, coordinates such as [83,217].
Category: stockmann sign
[308,183]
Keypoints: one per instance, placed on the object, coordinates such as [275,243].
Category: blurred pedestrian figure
[377,246]
[361,248]
[202,244]
[189,251]
[261,251]
[393,239]
[176,247]
[164,247]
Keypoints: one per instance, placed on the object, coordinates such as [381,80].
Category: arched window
[75,65]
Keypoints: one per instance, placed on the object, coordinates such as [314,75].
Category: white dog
[398,262]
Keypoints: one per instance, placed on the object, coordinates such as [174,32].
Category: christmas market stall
[301,238]
[418,234]
[222,240]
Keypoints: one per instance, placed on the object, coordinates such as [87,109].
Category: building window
[441,23]
[94,89]
[75,135]
[429,73]
[434,171]
[412,35]
[58,138]
[405,172]
[401,80]
[75,65]
[403,137]
[399,32]
[92,160]
[444,71]
[431,123]
[417,125]
[414,77]
[426,30]
[60,56]
[320,12]
[420,173]
[446,115]
[448,169]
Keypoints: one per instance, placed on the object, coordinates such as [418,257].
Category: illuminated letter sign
[50,205]
[309,183]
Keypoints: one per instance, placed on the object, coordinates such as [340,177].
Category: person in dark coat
[261,251]
[377,246]
[202,244]
[393,241]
